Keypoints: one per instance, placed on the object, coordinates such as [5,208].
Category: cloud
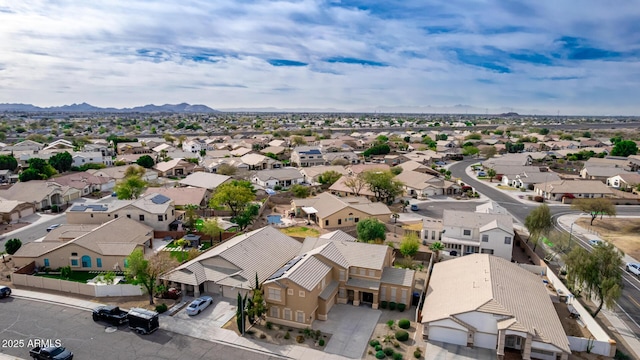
[348,54]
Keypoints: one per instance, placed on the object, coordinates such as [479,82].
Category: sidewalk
[632,342]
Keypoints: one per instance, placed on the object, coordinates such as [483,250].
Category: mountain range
[87,108]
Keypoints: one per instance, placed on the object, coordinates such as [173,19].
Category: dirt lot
[623,233]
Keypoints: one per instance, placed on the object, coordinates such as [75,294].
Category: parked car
[482,173]
[110,314]
[171,293]
[199,304]
[5,291]
[50,353]
[634,268]
[54,226]
[414,207]
[441,163]
[595,242]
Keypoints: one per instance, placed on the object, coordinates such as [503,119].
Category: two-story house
[304,156]
[278,177]
[464,233]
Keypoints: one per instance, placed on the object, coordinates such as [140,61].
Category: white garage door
[26,212]
[449,336]
[229,292]
[487,341]
[211,287]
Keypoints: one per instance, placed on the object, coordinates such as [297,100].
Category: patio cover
[309,210]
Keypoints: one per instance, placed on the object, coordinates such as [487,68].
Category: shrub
[380,355]
[321,342]
[538,199]
[287,336]
[299,339]
[401,307]
[263,336]
[383,304]
[388,351]
[417,354]
[404,324]
[269,325]
[161,308]
[390,324]
[397,356]
[402,335]
[378,347]
[318,334]
[396,344]
[392,305]
[374,342]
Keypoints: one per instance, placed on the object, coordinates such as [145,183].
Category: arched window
[86,261]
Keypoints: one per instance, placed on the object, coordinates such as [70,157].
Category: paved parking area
[351,328]
[216,315]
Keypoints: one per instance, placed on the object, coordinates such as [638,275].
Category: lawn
[503,187]
[301,231]
[77,276]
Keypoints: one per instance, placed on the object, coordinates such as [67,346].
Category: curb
[49,301]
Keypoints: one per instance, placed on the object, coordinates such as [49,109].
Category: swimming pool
[274,219]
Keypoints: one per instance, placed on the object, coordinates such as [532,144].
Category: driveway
[351,328]
[216,315]
[440,351]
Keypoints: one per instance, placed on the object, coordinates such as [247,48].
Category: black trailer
[143,321]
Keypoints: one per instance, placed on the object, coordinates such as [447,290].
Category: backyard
[77,276]
[301,231]
[621,232]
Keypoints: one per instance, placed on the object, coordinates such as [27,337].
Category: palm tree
[395,217]
[436,247]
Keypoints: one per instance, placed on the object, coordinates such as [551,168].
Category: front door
[367,297]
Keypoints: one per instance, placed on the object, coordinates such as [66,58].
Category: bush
[287,336]
[401,307]
[378,347]
[299,339]
[417,354]
[12,245]
[396,344]
[392,305]
[404,324]
[374,342]
[380,355]
[321,342]
[397,356]
[269,325]
[388,351]
[538,199]
[402,335]
[383,304]
[263,336]
[161,308]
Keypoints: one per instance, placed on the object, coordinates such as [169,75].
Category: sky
[533,57]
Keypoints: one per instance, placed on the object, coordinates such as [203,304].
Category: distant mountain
[87,108]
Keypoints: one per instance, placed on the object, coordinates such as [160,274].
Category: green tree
[226,169]
[381,139]
[470,151]
[40,167]
[191,214]
[212,228]
[436,247]
[488,152]
[543,131]
[409,246]
[235,195]
[61,162]
[595,207]
[371,230]
[624,148]
[298,140]
[8,162]
[379,149]
[240,313]
[598,272]
[131,187]
[538,222]
[395,217]
[145,272]
[396,170]
[383,184]
[491,173]
[145,161]
[356,184]
[300,191]
[12,245]
[29,174]
[247,216]
[328,178]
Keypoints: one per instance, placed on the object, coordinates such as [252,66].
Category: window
[287,314]
[115,216]
[403,296]
[74,254]
[393,294]
[274,294]
[74,262]
[433,235]
[487,251]
[485,238]
[300,316]
[363,272]
[126,263]
[46,262]
[129,216]
[356,219]
[290,292]
[86,261]
[301,293]
[326,223]
[165,216]
[466,232]
[91,215]
[342,275]
[172,212]
[507,240]
[372,273]
[98,262]
[274,312]
[342,292]
[339,221]
[141,217]
[383,293]
[160,218]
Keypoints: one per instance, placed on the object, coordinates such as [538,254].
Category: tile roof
[287,173]
[370,256]
[453,218]
[364,283]
[204,180]
[181,196]
[575,187]
[307,273]
[485,283]
[338,235]
[395,276]
[328,204]
[324,295]
[34,190]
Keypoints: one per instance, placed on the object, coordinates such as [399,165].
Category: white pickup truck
[634,268]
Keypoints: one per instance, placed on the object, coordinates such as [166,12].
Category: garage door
[449,336]
[487,341]
[330,302]
[26,212]
[229,292]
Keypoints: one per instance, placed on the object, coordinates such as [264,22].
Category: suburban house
[284,177]
[580,189]
[175,167]
[204,180]
[626,181]
[118,172]
[358,169]
[87,247]
[193,146]
[328,272]
[312,173]
[154,210]
[85,182]
[41,193]
[101,147]
[422,185]
[212,164]
[498,306]
[231,267]
[14,210]
[133,148]
[330,211]
[260,162]
[529,179]
[183,196]
[24,145]
[304,156]
[465,232]
[340,188]
[348,157]
[279,151]
[520,159]
[596,172]
[96,157]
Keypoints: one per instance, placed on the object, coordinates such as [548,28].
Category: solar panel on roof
[97,207]
[159,199]
[286,267]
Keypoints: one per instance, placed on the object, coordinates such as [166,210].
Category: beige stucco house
[13,210]
[41,193]
[328,272]
[154,210]
[90,247]
[330,211]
